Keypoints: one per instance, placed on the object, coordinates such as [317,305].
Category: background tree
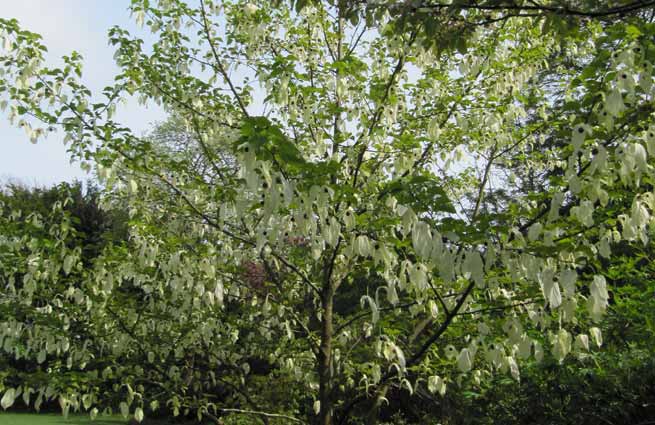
[64,228]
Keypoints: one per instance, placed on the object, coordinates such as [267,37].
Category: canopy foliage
[351,201]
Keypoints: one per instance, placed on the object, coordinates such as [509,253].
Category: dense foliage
[340,206]
[63,226]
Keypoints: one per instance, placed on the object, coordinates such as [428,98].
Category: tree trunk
[325,357]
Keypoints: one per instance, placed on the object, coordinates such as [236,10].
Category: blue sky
[67,25]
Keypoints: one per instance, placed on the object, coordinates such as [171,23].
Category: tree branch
[257,413]
[219,64]
[511,6]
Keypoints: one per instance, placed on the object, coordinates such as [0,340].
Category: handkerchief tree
[348,203]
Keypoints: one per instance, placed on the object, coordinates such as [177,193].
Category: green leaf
[422,193]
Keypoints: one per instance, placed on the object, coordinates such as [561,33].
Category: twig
[259,413]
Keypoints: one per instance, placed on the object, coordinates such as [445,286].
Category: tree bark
[325,356]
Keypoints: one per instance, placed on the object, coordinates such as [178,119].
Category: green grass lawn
[55,419]
[58,419]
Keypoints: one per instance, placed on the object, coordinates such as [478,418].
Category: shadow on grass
[50,419]
[86,421]
[58,419]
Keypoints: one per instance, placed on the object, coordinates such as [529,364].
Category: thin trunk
[327,297]
[325,358]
